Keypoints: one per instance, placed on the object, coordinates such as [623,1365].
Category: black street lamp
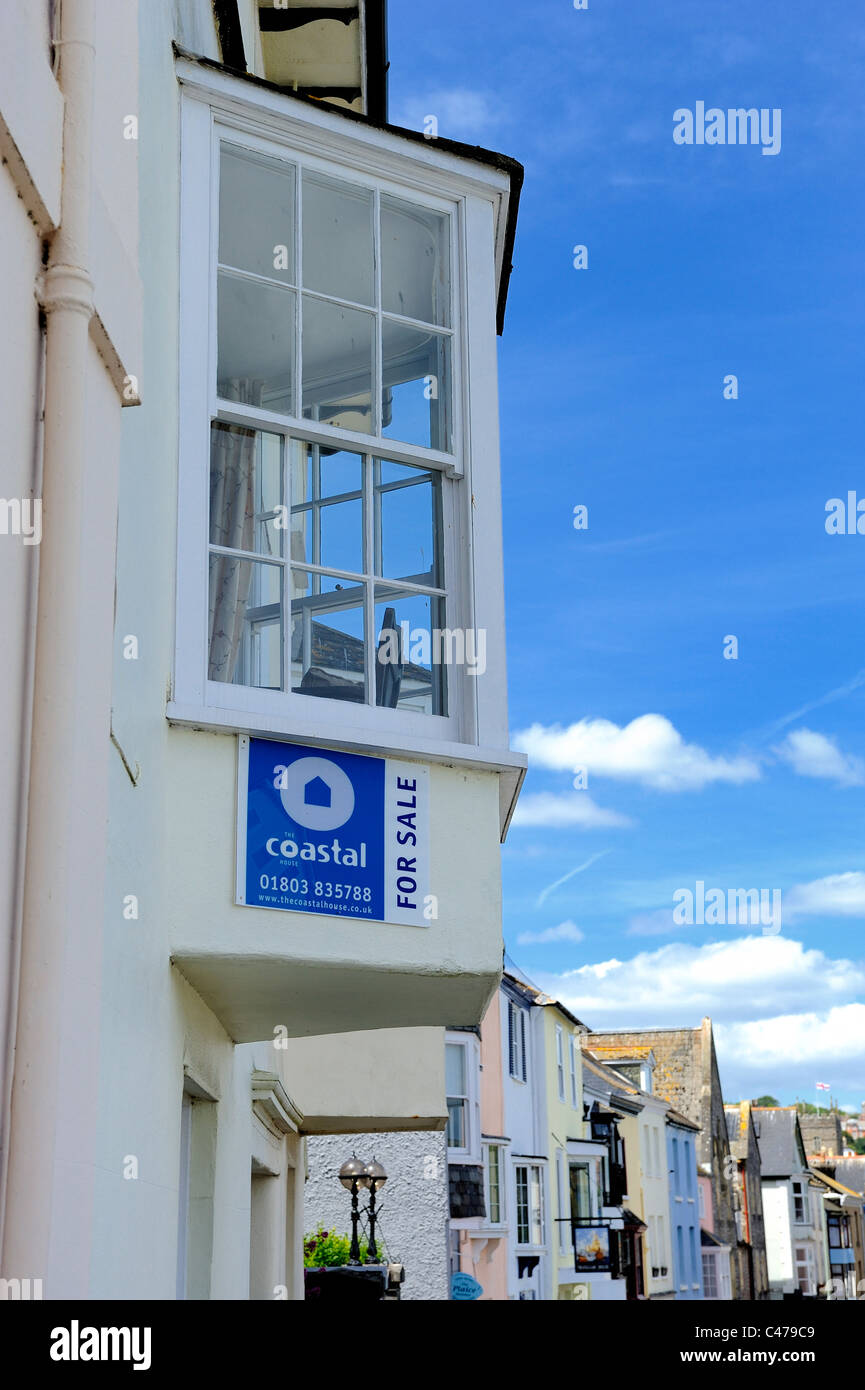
[376,1177]
[352,1175]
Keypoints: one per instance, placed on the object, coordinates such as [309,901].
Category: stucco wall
[414,1203]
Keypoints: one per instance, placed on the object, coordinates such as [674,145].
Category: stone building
[743,1133]
[821,1134]
[686,1074]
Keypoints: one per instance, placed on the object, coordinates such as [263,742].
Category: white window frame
[502,1150]
[563,1192]
[518,1050]
[472,1060]
[560,1062]
[531,1167]
[573,1048]
[476,727]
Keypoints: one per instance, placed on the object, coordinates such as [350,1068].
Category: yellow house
[562,1122]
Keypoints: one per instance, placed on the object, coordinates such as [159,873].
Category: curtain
[232,524]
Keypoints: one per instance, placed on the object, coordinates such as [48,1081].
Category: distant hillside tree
[769,1101]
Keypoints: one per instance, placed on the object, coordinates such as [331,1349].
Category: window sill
[510,766]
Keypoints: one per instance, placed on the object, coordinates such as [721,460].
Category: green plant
[325,1248]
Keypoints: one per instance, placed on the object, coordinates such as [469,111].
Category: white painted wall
[414,1203]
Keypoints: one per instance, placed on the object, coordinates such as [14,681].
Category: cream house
[253,387]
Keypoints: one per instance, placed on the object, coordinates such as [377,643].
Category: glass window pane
[256,213]
[246,494]
[256,343]
[327,637]
[337,239]
[407,530]
[416,385]
[415,261]
[412,651]
[337,365]
[456,1124]
[245,622]
[455,1070]
[317,472]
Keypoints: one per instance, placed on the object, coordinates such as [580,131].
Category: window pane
[256,343]
[337,239]
[456,1124]
[411,650]
[455,1070]
[337,365]
[416,385]
[327,637]
[256,213]
[415,261]
[407,535]
[246,489]
[245,622]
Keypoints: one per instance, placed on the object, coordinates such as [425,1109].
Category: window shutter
[523,1041]
[511,1040]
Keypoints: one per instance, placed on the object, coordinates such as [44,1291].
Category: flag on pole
[823,1086]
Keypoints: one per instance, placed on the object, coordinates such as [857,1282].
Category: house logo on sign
[316,793]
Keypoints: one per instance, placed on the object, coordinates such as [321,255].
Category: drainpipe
[62,909]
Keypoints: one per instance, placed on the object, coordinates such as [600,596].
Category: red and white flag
[823,1086]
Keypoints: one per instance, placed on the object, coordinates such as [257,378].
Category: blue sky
[706,516]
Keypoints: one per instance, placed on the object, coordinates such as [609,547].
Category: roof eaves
[478,154]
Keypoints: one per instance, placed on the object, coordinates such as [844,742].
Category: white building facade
[254,389]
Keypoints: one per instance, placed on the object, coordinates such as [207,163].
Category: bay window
[338,428]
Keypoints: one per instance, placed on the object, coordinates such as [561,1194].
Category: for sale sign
[338,834]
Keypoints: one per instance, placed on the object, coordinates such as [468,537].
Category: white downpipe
[60,894]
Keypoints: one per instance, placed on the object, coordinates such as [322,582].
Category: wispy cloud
[649,750]
[836,895]
[551,887]
[839,693]
[556,809]
[814,755]
[565,931]
[462,112]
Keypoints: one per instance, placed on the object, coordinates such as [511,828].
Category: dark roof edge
[476,153]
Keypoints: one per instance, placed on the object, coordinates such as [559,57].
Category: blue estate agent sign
[332,833]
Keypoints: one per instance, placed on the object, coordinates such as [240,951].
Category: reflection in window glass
[415,261]
[416,385]
[338,239]
[337,365]
[413,650]
[255,342]
[327,637]
[407,538]
[256,214]
[245,622]
[246,489]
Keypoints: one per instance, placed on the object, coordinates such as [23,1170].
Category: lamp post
[352,1175]
[376,1177]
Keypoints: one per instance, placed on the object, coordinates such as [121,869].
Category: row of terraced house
[584,1165]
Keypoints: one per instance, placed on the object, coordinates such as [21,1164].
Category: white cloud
[565,931]
[750,977]
[814,755]
[837,895]
[462,112]
[566,808]
[649,750]
[660,922]
[804,1040]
